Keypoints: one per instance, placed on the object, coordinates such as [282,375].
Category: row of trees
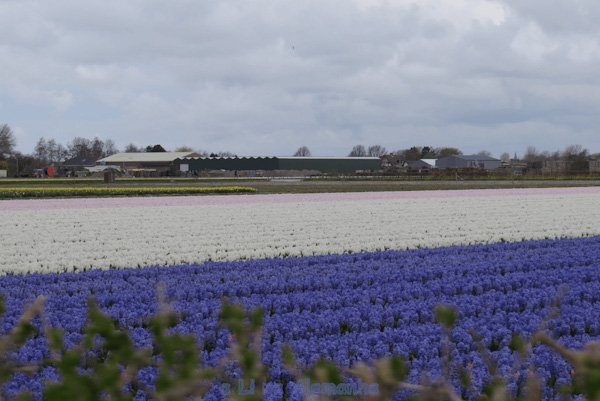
[577,156]
[50,152]
[47,152]
[411,154]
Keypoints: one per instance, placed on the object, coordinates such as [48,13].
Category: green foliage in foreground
[104,366]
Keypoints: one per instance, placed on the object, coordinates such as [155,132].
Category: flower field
[348,277]
[82,234]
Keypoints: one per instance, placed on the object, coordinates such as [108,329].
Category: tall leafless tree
[358,151]
[184,148]
[303,151]
[376,151]
[79,147]
[131,148]
[109,148]
[7,141]
[40,151]
[531,154]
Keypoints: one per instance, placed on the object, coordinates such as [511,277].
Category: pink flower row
[165,201]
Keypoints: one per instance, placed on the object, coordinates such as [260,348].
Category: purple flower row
[347,308]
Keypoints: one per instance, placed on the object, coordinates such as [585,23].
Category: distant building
[422,164]
[555,167]
[80,161]
[392,161]
[320,164]
[461,161]
[77,166]
[148,163]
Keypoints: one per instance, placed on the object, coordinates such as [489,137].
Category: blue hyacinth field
[347,308]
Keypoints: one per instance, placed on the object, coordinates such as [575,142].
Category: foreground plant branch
[107,365]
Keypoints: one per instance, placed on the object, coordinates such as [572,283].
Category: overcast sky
[265,77]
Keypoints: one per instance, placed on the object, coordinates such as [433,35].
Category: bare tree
[79,147]
[376,151]
[223,154]
[97,146]
[575,150]
[505,157]
[303,151]
[578,157]
[184,148]
[484,153]
[358,151]
[61,153]
[51,150]
[131,148]
[7,141]
[109,148]
[408,155]
[40,151]
[531,154]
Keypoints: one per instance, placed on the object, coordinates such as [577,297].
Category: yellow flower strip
[20,192]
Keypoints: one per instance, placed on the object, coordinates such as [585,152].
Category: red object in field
[50,171]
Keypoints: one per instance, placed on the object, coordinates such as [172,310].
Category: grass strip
[45,192]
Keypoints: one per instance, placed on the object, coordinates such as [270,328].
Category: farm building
[77,165]
[458,161]
[422,164]
[80,161]
[320,164]
[149,163]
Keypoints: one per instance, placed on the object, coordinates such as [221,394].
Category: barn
[147,164]
[458,161]
[320,164]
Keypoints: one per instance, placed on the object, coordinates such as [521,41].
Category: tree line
[410,154]
[48,151]
[577,155]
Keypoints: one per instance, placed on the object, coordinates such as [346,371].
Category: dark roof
[81,161]
[475,157]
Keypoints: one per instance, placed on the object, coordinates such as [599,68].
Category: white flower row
[79,239]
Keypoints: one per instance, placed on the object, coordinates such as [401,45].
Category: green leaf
[517,344]
[465,377]
[256,320]
[24,330]
[446,315]
[325,372]
[232,317]
[55,339]
[288,355]
[398,368]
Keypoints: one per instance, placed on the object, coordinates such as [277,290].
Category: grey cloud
[265,77]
